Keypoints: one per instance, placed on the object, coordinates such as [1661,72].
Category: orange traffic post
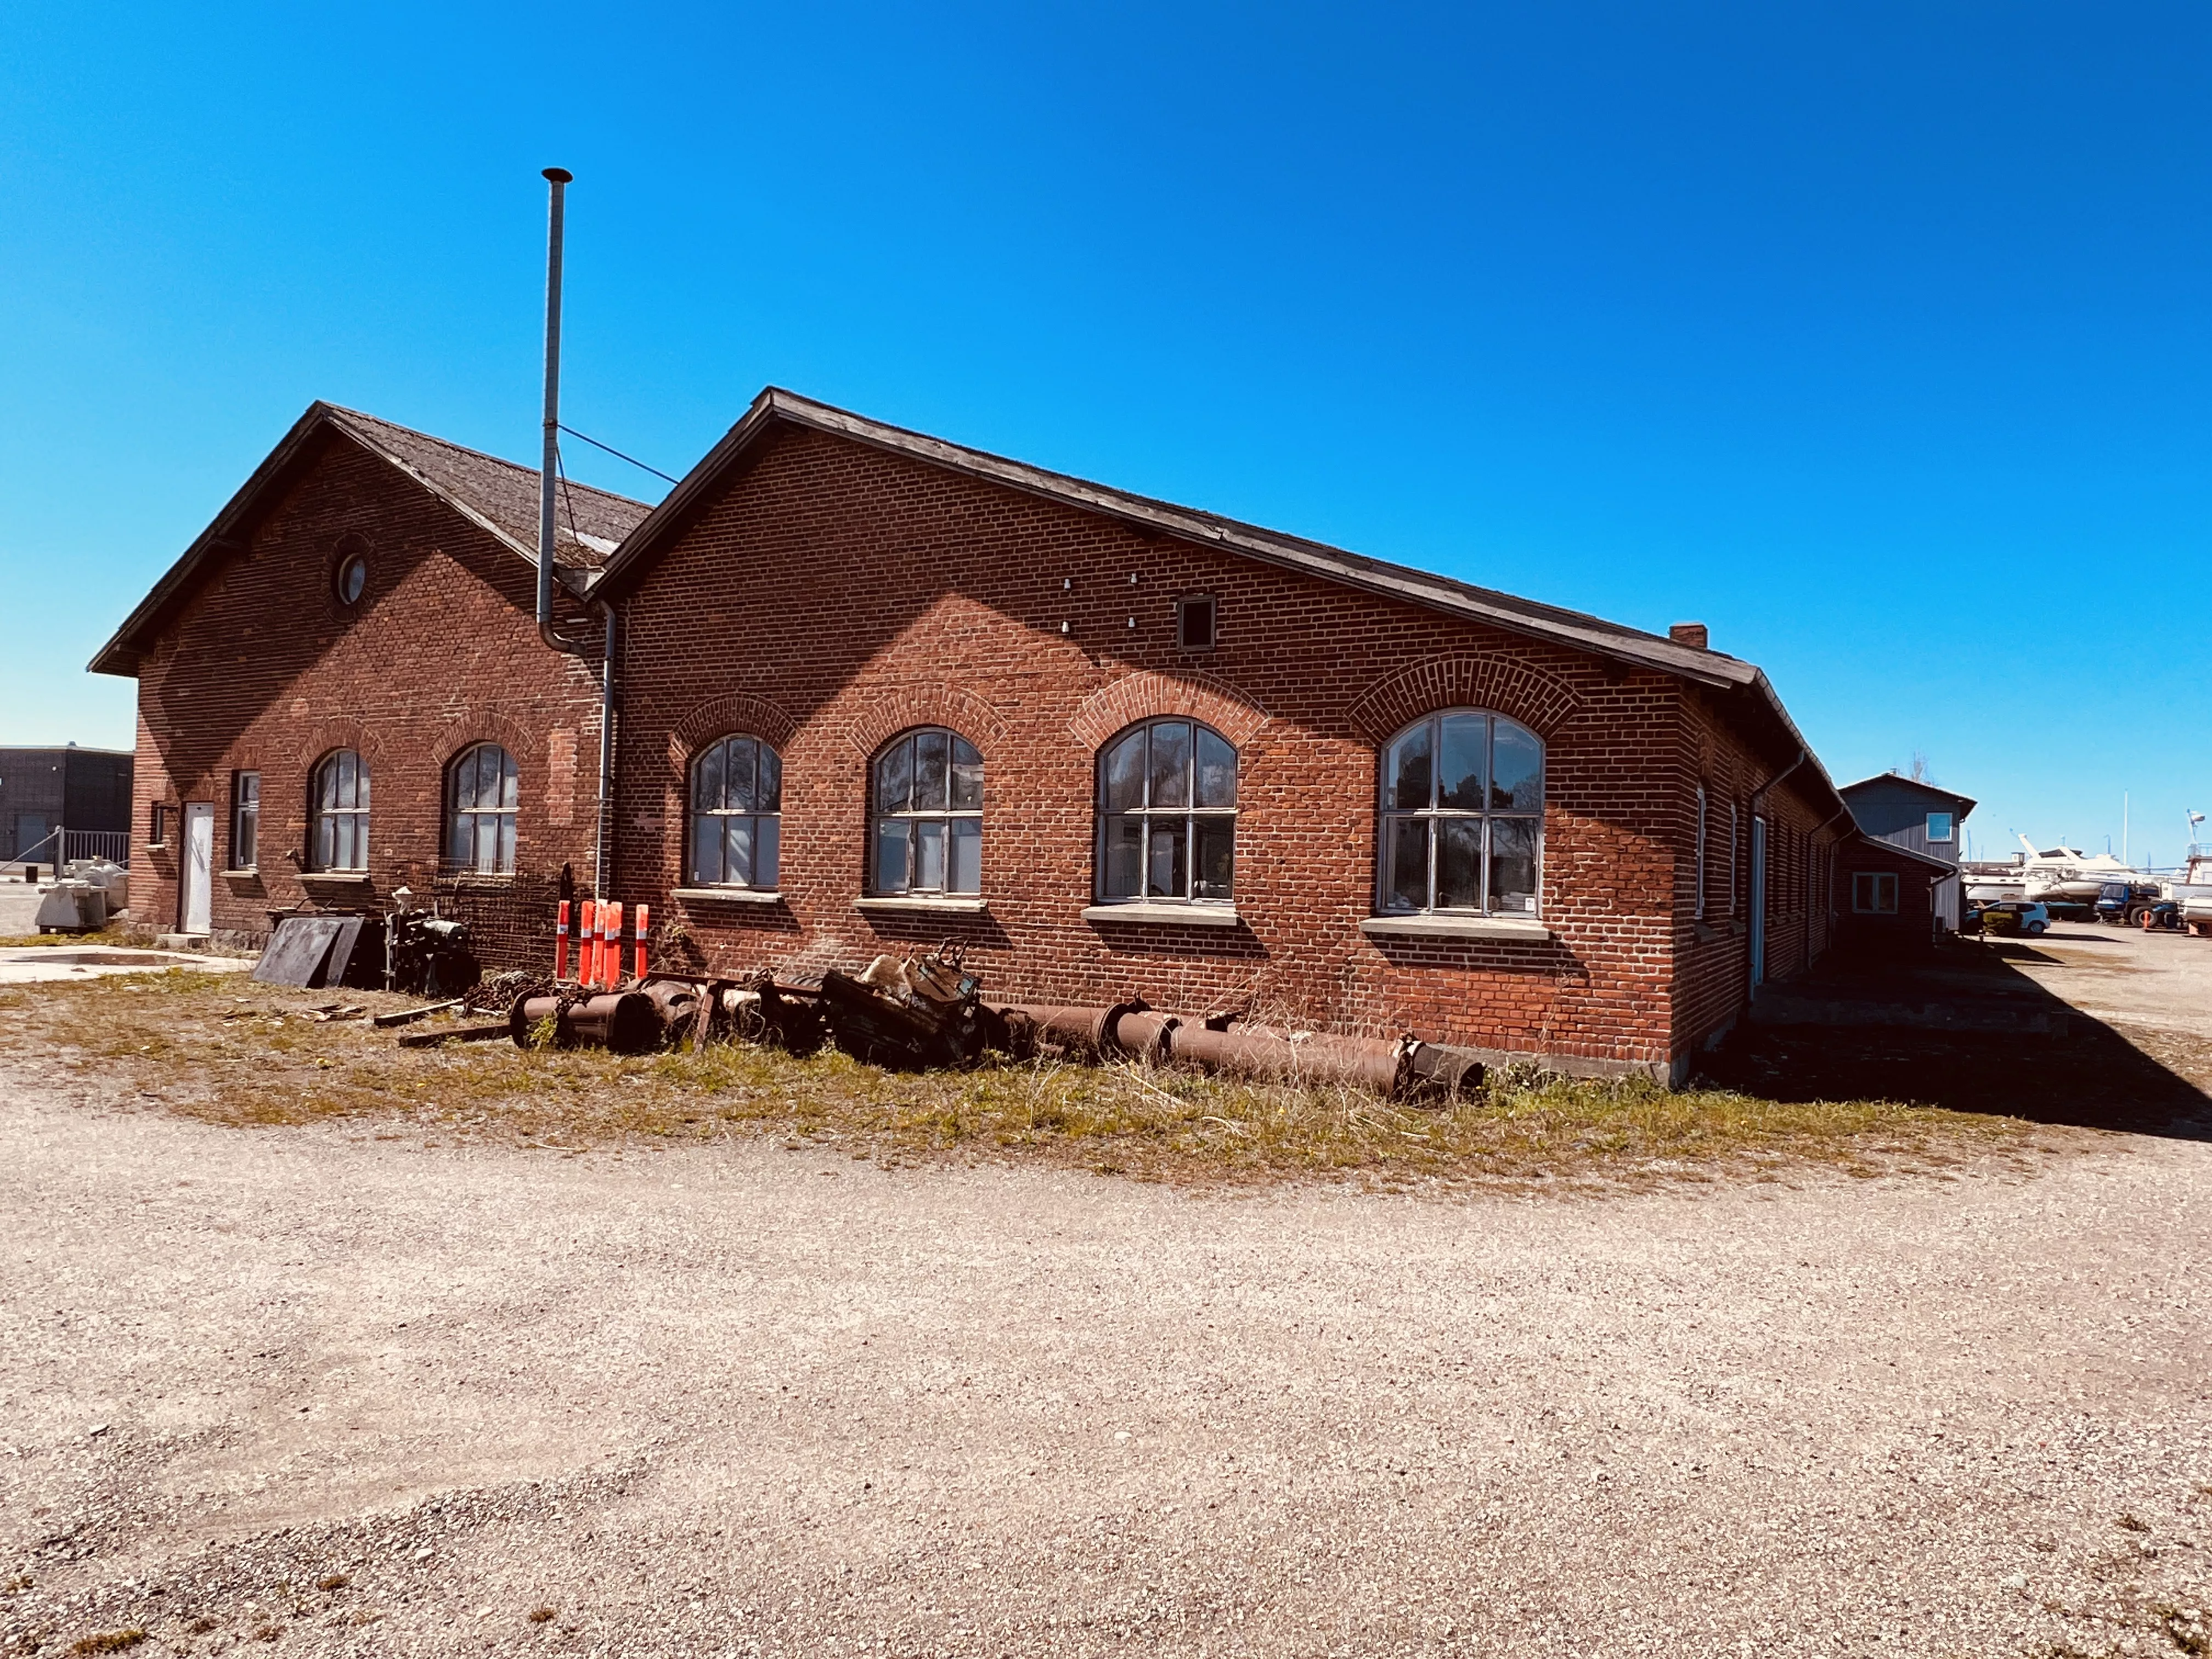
[644,911]
[560,943]
[611,956]
[588,943]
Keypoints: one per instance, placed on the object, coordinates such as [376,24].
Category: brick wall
[263,670]
[835,595]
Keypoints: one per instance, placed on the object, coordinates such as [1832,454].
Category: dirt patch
[207,1047]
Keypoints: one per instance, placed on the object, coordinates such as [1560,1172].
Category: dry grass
[213,1048]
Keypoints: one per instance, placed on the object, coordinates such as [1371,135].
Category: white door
[1758,903]
[199,866]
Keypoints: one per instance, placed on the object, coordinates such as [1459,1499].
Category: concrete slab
[24,964]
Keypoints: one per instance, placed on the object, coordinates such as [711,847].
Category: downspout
[600,873]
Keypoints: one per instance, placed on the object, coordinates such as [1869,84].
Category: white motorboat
[2067,875]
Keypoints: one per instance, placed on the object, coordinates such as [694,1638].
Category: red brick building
[354,633]
[875,690]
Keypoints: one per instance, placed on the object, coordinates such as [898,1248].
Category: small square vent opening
[1194,620]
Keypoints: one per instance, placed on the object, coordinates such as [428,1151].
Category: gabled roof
[1890,848]
[500,497]
[1898,779]
[776,408]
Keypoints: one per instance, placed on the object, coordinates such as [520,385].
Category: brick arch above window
[893,709]
[738,712]
[525,743]
[1150,695]
[1537,698]
[339,732]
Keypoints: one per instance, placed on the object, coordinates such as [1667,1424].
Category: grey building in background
[43,790]
[1919,818]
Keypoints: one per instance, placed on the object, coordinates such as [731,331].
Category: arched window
[480,799]
[340,794]
[1167,813]
[1462,823]
[928,795]
[736,804]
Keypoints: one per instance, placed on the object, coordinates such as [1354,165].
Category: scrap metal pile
[926,1011]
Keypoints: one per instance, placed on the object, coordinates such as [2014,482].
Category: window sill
[726,896]
[923,903]
[249,872]
[1436,927]
[1138,913]
[337,877]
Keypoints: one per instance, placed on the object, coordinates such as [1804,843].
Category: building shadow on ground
[2052,1064]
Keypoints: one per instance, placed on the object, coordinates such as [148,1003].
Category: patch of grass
[337,1581]
[213,1048]
[108,1641]
[540,1615]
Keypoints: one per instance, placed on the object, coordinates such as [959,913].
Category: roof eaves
[1925,787]
[1374,575]
[122,655]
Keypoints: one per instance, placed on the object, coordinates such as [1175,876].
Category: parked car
[2012,916]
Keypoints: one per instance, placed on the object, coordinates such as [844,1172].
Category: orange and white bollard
[610,952]
[560,943]
[644,924]
[588,943]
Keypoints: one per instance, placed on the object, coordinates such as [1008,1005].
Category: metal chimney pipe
[557,181]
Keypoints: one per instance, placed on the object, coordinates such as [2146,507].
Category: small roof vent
[1690,634]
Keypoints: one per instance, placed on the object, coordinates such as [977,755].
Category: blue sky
[1875,337]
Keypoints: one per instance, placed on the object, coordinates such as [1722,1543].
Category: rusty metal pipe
[1259,1051]
[622,1022]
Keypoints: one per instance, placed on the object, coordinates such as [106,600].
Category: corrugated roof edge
[1593,634]
[121,654]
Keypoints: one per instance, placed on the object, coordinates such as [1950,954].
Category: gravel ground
[364,1393]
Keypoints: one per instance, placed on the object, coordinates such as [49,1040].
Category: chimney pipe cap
[1690,634]
[560,175]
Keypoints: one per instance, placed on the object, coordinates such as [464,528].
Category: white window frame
[1870,883]
[1699,911]
[246,820]
[497,819]
[1950,828]
[954,819]
[1189,815]
[356,813]
[1436,816]
[764,845]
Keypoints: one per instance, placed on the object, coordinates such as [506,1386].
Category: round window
[353,577]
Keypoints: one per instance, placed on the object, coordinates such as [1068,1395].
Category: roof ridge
[469,449]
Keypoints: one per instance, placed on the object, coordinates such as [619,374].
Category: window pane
[360,772]
[1125,852]
[767,847]
[1460,768]
[929,855]
[967,776]
[1409,769]
[325,843]
[768,794]
[1459,863]
[967,856]
[1216,839]
[737,775]
[892,842]
[929,771]
[895,777]
[738,849]
[326,784]
[507,843]
[1216,770]
[1517,769]
[1512,864]
[487,859]
[1123,774]
[461,847]
[1170,764]
[1939,826]
[249,787]
[706,778]
[509,792]
[1165,867]
[705,847]
[1408,850]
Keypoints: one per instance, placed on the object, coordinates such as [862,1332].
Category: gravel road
[740,1399]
